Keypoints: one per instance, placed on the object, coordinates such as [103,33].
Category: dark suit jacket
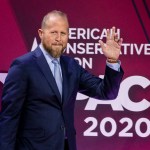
[33,116]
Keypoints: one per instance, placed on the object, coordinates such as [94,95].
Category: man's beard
[54,51]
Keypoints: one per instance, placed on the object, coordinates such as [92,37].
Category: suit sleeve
[13,96]
[105,89]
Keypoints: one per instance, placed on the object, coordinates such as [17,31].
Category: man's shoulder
[28,56]
[26,59]
[68,59]
[70,62]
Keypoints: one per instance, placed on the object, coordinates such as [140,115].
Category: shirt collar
[47,55]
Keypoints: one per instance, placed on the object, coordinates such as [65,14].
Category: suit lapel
[44,67]
[66,79]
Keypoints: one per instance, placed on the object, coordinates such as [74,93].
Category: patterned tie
[57,75]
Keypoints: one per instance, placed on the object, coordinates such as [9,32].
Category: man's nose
[58,37]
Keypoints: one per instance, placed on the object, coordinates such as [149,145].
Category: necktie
[57,75]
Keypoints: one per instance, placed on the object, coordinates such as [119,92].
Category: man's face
[54,36]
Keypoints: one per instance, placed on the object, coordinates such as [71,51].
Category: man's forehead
[55,17]
[56,20]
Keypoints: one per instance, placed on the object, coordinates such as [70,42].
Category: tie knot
[55,61]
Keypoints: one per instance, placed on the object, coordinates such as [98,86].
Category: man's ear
[40,31]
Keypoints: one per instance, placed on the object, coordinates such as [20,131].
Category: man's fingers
[116,37]
[120,41]
[102,44]
[108,34]
[113,33]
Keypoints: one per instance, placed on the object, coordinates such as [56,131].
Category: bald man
[40,90]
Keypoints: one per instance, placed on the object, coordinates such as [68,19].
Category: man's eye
[53,32]
[63,33]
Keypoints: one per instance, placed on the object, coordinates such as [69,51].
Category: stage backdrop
[120,124]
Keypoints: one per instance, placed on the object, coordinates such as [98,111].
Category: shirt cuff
[114,66]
